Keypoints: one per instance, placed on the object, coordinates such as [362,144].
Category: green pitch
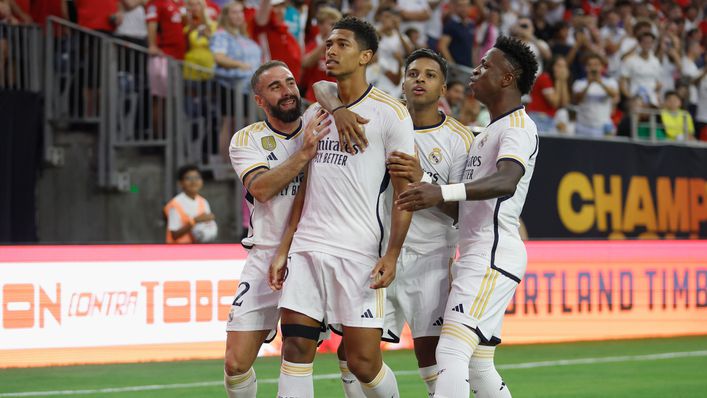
[675,367]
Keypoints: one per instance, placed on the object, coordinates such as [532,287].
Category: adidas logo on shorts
[438,322]
[367,314]
[459,308]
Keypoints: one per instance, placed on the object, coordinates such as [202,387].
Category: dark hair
[455,83]
[187,168]
[644,34]
[671,92]
[427,53]
[262,69]
[521,57]
[591,55]
[551,66]
[364,32]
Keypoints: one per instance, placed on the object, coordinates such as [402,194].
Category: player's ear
[507,79]
[444,90]
[365,57]
[260,101]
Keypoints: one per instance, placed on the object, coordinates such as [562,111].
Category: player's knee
[235,365]
[299,342]
[425,351]
[364,367]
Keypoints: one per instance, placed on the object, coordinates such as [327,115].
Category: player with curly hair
[490,198]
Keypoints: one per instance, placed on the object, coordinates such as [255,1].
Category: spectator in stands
[487,33]
[613,35]
[669,53]
[42,9]
[587,40]
[457,41]
[543,30]
[295,18]
[641,72]
[550,92]
[360,9]
[701,83]
[130,22]
[677,122]
[595,97]
[212,10]
[690,71]
[165,38]
[274,37]
[237,56]
[314,61]
[524,31]
[473,113]
[415,14]
[15,11]
[198,30]
[392,50]
[189,217]
[452,100]
[434,24]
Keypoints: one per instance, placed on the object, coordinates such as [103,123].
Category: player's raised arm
[349,125]
[264,183]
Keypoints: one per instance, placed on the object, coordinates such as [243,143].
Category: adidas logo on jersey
[272,156]
[438,322]
[459,308]
[367,314]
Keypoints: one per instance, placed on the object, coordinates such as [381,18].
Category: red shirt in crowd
[95,14]
[212,10]
[170,34]
[282,46]
[42,9]
[314,73]
[538,103]
[24,5]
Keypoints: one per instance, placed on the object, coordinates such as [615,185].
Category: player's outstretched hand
[316,129]
[419,195]
[351,130]
[383,273]
[405,166]
[278,271]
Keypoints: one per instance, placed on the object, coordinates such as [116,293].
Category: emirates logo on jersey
[435,156]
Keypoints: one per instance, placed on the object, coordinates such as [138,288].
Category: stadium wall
[105,304]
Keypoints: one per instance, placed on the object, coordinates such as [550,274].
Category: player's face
[191,182]
[490,75]
[343,55]
[278,95]
[424,83]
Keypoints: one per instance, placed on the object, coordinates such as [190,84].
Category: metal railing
[651,119]
[20,57]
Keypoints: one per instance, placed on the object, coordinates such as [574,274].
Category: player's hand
[316,129]
[204,217]
[402,165]
[351,130]
[278,271]
[384,272]
[420,195]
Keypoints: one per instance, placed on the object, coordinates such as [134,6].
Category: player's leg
[425,348]
[483,376]
[302,311]
[241,351]
[349,382]
[365,361]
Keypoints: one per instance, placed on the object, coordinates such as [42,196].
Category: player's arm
[278,267]
[264,183]
[349,125]
[501,183]
[384,271]
[178,230]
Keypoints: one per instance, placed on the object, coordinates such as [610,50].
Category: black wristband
[337,108]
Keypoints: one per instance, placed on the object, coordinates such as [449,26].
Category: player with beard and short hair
[492,255]
[268,157]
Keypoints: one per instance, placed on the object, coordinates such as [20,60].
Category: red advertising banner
[97,304]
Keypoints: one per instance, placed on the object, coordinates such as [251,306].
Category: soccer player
[419,293]
[269,158]
[336,269]
[493,258]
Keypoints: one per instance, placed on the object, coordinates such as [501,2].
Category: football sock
[483,376]
[429,376]
[295,380]
[352,387]
[241,386]
[383,385]
[456,345]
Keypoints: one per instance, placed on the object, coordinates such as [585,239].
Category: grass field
[675,367]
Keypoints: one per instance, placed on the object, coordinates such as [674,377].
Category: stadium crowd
[602,61]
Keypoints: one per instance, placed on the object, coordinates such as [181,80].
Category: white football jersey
[489,228]
[260,146]
[443,150]
[343,209]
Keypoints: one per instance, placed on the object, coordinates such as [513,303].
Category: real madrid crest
[435,156]
[483,141]
[268,143]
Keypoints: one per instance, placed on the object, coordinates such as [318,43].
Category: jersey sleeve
[578,86]
[518,146]
[245,154]
[151,12]
[399,135]
[174,222]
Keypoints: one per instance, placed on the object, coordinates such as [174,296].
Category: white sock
[352,387]
[241,386]
[382,386]
[429,376]
[483,376]
[296,380]
[456,345]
